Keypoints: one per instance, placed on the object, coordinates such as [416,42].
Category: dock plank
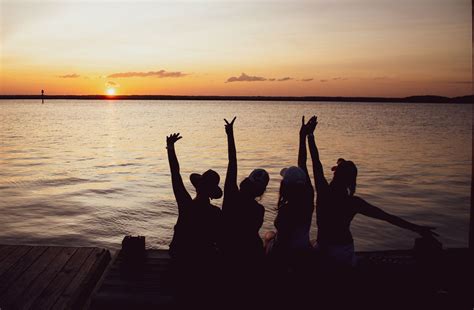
[82,285]
[143,284]
[28,276]
[29,296]
[20,267]
[52,292]
[5,250]
[12,258]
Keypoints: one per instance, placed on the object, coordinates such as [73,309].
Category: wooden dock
[141,285]
[49,277]
[397,276]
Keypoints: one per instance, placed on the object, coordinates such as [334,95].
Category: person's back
[242,223]
[334,214]
[197,230]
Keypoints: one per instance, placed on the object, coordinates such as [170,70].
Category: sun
[110,91]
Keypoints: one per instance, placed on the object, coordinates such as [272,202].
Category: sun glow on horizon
[110,91]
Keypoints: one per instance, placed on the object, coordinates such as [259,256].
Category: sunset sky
[294,48]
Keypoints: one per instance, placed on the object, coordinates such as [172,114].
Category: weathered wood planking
[42,277]
[146,285]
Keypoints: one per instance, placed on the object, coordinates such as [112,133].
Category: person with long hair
[295,208]
[336,206]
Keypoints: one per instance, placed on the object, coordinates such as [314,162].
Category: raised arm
[230,185]
[320,181]
[302,153]
[369,210]
[181,194]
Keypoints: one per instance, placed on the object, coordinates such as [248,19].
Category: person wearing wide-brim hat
[197,231]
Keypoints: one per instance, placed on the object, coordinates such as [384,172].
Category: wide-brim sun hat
[208,181]
[293,175]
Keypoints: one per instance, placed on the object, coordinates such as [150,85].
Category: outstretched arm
[180,192]
[230,185]
[367,209]
[320,181]
[302,153]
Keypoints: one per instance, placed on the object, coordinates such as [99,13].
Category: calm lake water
[90,172]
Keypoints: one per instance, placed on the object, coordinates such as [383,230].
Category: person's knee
[269,235]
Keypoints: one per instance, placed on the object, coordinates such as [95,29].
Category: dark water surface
[90,172]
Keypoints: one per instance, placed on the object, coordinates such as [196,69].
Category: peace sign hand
[229,127]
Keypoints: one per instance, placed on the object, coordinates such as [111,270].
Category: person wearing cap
[243,218]
[243,215]
[336,206]
[197,230]
[291,242]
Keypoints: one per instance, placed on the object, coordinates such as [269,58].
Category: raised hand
[229,127]
[303,129]
[172,138]
[311,125]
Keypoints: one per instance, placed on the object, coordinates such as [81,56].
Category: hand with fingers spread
[172,138]
[229,127]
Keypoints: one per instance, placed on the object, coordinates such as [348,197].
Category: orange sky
[294,48]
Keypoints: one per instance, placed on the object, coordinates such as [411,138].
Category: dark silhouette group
[220,251]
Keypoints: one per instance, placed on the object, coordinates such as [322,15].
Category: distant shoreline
[411,99]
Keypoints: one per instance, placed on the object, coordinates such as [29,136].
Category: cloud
[112,84]
[323,81]
[245,78]
[69,76]
[158,74]
[307,80]
[272,80]
[284,79]
[461,82]
[381,78]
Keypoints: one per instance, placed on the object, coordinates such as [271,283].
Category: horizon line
[415,98]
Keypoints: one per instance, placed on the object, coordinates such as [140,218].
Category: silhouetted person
[42,96]
[243,215]
[243,218]
[336,206]
[295,208]
[194,247]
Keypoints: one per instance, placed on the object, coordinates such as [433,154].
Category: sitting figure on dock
[198,227]
[295,208]
[336,206]
[243,215]
[243,218]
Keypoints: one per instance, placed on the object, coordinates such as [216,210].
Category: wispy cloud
[323,81]
[112,84]
[158,74]
[461,82]
[69,76]
[245,78]
[250,78]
